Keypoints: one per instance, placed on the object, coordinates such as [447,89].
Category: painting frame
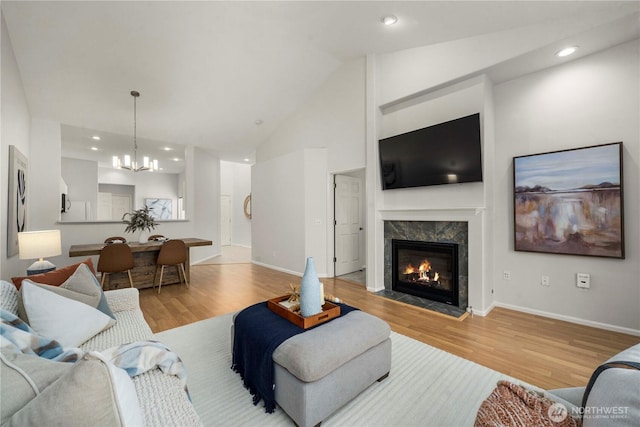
[159,208]
[17,199]
[570,202]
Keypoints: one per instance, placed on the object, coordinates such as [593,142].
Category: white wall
[593,100]
[278,212]
[333,119]
[235,181]
[81,177]
[203,199]
[15,130]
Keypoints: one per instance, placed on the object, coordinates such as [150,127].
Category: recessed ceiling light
[167,148]
[246,160]
[94,148]
[567,51]
[258,122]
[96,137]
[389,20]
[175,159]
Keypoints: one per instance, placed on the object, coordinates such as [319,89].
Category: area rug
[426,386]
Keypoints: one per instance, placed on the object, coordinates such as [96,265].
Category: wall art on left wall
[17,206]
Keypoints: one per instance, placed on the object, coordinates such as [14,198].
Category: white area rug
[426,386]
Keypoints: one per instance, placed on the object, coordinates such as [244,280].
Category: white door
[348,224]
[225,220]
[120,205]
[104,206]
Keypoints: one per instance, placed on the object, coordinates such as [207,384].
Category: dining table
[144,256]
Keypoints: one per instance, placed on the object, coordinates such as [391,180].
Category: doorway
[349,219]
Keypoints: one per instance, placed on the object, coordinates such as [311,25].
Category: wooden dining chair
[115,239]
[155,237]
[172,252]
[115,258]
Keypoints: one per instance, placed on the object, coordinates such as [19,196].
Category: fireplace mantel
[443,214]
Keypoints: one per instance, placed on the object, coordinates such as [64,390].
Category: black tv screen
[446,153]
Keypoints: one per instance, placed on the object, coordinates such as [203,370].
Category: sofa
[610,399]
[91,390]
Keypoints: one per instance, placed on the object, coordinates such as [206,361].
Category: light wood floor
[544,352]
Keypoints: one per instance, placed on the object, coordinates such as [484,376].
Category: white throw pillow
[93,392]
[69,322]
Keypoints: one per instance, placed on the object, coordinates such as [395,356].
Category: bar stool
[172,252]
[115,258]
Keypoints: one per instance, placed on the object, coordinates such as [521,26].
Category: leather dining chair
[172,252]
[115,258]
[115,239]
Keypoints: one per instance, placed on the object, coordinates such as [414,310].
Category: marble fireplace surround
[431,231]
[473,283]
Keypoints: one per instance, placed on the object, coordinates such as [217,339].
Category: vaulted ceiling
[208,71]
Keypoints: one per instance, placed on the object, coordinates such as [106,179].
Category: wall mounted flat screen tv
[446,153]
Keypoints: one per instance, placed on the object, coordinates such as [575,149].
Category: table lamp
[39,244]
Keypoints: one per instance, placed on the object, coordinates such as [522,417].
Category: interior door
[225,220]
[120,205]
[348,224]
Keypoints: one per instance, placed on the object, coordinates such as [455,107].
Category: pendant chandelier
[127,162]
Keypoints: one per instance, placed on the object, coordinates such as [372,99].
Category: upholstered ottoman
[320,370]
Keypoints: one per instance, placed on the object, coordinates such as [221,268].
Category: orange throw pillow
[55,277]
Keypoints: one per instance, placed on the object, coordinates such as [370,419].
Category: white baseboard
[274,267]
[198,261]
[483,313]
[599,325]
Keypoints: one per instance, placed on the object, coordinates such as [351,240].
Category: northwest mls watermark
[558,412]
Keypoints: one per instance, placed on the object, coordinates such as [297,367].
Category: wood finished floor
[544,352]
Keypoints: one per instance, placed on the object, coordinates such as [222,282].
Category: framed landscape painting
[570,202]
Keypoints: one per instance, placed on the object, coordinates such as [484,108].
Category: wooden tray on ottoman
[329,311]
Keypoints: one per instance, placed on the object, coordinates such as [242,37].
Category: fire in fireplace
[426,269]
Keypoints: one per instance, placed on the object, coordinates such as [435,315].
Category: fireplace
[425,269]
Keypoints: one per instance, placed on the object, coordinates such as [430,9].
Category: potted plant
[139,220]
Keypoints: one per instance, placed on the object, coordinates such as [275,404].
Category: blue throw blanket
[257,332]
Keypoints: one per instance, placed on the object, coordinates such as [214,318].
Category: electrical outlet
[583,280]
[544,281]
[506,275]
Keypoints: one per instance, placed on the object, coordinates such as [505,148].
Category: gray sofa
[162,399]
[612,397]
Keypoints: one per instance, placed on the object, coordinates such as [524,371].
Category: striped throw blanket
[135,358]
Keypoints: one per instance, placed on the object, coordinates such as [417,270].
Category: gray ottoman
[320,370]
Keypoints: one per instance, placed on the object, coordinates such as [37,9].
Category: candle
[321,293]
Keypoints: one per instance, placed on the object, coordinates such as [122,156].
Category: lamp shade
[39,244]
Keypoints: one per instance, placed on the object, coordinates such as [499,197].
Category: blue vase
[310,291]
